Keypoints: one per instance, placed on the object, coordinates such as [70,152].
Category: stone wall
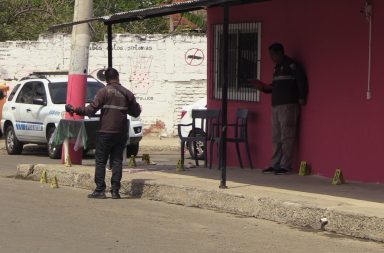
[165,72]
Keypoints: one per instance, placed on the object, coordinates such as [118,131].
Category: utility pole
[78,69]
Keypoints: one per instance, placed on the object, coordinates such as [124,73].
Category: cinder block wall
[165,72]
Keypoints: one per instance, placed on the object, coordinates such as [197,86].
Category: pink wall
[340,128]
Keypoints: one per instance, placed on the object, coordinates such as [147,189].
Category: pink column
[78,69]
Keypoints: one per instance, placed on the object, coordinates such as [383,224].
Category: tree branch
[13,17]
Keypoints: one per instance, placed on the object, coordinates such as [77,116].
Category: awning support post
[110,48]
[223,156]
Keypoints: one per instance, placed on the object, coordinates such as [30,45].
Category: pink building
[341,125]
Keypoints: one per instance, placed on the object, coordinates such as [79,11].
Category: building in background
[341,46]
[194,21]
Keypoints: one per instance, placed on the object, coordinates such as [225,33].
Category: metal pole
[223,157]
[109,28]
[78,68]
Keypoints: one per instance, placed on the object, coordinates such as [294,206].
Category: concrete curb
[295,213]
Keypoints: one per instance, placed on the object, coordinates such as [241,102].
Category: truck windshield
[58,91]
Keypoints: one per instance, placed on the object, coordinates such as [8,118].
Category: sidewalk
[350,209]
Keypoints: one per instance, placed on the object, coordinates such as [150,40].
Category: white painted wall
[164,72]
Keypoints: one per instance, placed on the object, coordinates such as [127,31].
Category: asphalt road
[36,218]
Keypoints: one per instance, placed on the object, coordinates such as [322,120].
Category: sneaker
[115,195]
[97,195]
[269,170]
[281,171]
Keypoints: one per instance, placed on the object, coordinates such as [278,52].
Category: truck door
[30,115]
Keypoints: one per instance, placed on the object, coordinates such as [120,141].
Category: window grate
[244,61]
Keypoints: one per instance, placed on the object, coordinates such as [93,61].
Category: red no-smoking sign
[194,57]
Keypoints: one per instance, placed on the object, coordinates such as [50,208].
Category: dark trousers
[284,131]
[109,146]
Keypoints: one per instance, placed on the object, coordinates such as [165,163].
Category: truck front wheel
[12,144]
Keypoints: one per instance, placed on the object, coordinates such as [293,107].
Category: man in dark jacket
[115,103]
[289,90]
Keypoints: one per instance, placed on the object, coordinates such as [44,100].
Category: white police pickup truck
[35,106]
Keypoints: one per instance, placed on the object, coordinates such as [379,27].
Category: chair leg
[205,154]
[195,152]
[238,154]
[248,154]
[219,154]
[210,154]
[182,151]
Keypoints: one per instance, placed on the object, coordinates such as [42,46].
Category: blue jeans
[109,146]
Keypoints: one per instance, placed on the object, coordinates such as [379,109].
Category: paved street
[295,200]
[36,218]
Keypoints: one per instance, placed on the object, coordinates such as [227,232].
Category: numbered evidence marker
[180,166]
[338,178]
[146,159]
[304,169]
[43,177]
[132,161]
[54,183]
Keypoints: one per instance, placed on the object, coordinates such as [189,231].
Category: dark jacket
[115,103]
[289,83]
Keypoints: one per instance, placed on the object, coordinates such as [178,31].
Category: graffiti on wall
[119,47]
[139,73]
[4,54]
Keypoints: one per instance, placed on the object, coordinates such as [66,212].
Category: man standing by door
[289,90]
[115,103]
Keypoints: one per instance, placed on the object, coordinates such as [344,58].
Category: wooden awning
[165,10]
